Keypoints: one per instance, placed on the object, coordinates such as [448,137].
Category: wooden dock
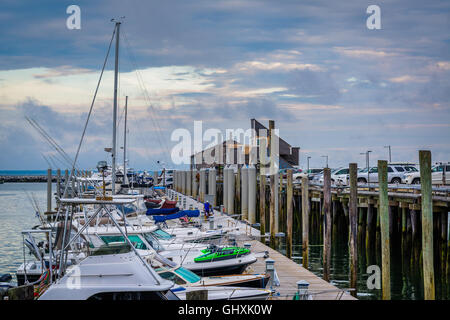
[288,271]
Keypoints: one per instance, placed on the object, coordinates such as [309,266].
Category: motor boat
[111,273]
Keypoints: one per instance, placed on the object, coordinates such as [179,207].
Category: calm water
[17,214]
[406,274]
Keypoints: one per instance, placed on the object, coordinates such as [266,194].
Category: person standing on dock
[208,210]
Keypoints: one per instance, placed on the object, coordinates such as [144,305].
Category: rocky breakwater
[43,178]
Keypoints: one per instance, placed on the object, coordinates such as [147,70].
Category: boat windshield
[115,248]
[135,240]
[161,234]
[187,274]
[153,242]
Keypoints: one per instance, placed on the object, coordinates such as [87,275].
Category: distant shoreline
[33,178]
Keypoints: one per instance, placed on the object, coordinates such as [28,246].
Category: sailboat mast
[116,71]
[125,180]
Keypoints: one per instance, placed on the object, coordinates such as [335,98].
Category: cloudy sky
[333,86]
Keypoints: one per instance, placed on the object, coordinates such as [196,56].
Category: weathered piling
[276,204]
[427,224]
[327,229]
[305,221]
[384,225]
[230,190]
[58,183]
[289,212]
[251,194]
[225,187]
[262,185]
[73,183]
[244,193]
[195,181]
[353,219]
[188,183]
[49,190]
[273,195]
[237,191]
[212,185]
[202,184]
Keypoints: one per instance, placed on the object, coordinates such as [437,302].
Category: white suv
[396,174]
[338,176]
[436,175]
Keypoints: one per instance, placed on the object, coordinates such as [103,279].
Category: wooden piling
[384,225]
[305,221]
[237,195]
[353,219]
[289,212]
[231,190]
[49,190]
[262,204]
[427,224]
[273,194]
[188,182]
[251,194]
[327,229]
[58,183]
[212,186]
[262,184]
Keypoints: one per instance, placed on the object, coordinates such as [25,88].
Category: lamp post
[367,165]
[327,159]
[389,147]
[307,165]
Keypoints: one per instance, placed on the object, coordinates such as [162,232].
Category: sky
[333,86]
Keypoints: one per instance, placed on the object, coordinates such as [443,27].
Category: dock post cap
[270,264]
[302,284]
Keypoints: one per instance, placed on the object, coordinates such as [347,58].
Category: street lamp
[389,147]
[367,165]
[327,159]
[307,167]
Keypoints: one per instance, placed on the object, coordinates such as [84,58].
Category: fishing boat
[114,273]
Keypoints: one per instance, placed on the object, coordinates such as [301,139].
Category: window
[172,277]
[399,169]
[389,169]
[153,241]
[374,170]
[135,240]
[188,275]
[161,234]
[411,169]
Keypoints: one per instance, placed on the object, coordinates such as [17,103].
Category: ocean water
[17,214]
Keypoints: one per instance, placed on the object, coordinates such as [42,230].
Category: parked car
[395,174]
[436,175]
[338,176]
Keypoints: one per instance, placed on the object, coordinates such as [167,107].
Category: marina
[208,187]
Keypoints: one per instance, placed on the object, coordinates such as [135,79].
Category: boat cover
[152,211]
[188,213]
